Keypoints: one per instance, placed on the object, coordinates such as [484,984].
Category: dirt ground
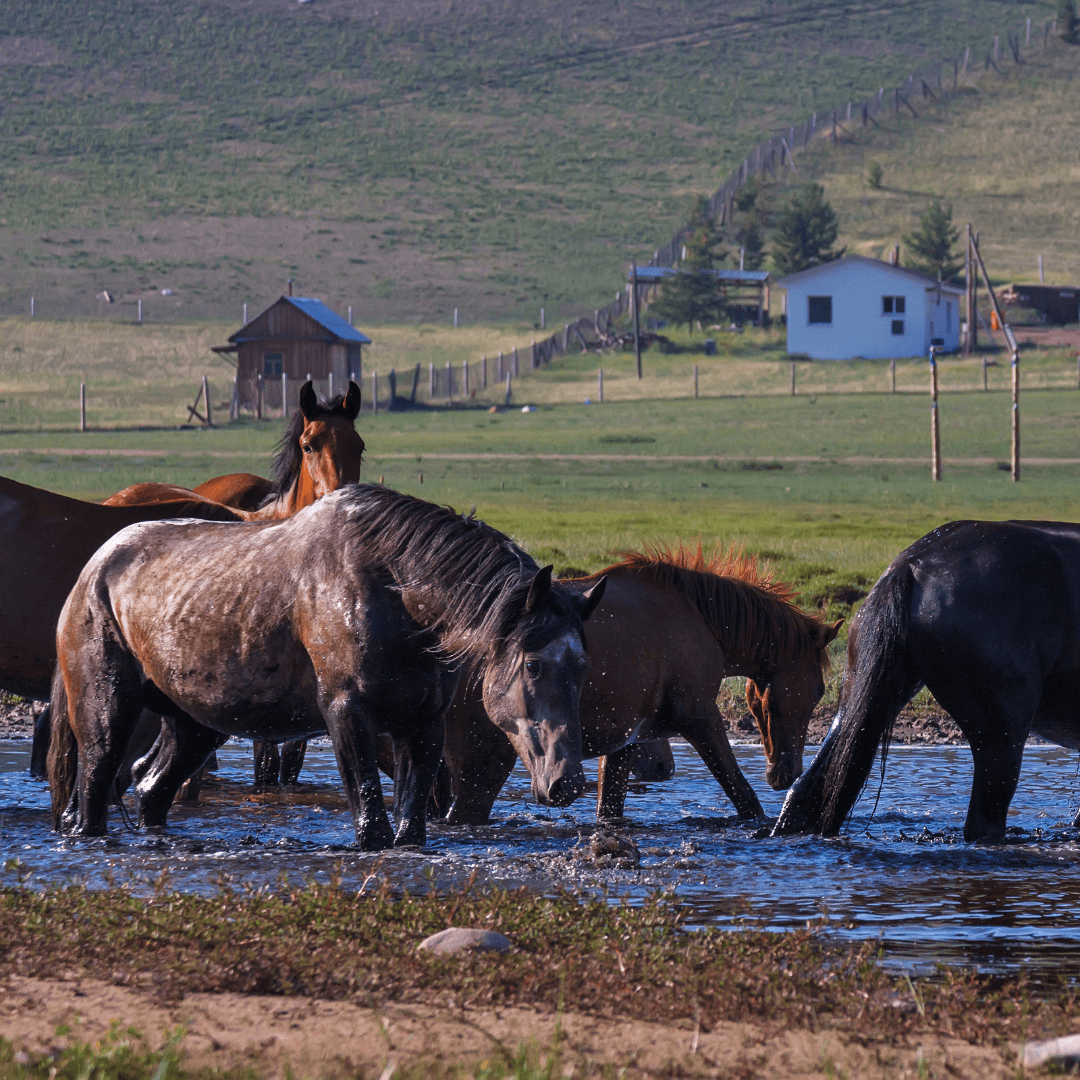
[280,1036]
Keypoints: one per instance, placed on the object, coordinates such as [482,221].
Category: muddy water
[900,873]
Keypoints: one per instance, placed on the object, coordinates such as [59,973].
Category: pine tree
[931,245]
[693,293]
[805,232]
[752,240]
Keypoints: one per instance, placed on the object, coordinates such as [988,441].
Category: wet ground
[901,872]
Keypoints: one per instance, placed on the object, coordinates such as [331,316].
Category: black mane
[478,578]
[288,457]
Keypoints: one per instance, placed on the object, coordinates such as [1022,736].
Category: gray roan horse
[987,616]
[351,617]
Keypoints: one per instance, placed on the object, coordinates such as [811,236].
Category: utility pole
[637,316]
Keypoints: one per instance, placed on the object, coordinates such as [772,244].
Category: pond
[900,872]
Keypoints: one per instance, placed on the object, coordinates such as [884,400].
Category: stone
[1064,1051]
[457,939]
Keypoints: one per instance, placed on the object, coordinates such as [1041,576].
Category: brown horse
[45,541]
[671,628]
[354,617]
[319,452]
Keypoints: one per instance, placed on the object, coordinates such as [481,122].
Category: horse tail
[878,681]
[63,762]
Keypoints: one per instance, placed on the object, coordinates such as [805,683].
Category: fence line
[768,158]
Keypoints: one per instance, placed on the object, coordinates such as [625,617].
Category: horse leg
[176,760]
[354,747]
[612,776]
[267,760]
[416,760]
[479,758]
[39,750]
[292,760]
[707,735]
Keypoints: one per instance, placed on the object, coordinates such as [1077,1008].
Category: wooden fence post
[206,400]
[1015,415]
[892,376]
[985,366]
[695,382]
[259,396]
[637,318]
[431,381]
[792,378]
[374,391]
[935,426]
[465,377]
[284,395]
[449,382]
[483,372]
[600,381]
[82,406]
[509,376]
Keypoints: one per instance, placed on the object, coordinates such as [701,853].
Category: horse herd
[166,620]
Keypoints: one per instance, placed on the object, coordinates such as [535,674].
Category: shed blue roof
[740,277]
[325,317]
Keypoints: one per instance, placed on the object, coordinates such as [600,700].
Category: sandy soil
[332,1038]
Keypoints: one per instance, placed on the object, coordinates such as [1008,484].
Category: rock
[457,939]
[607,850]
[1065,1051]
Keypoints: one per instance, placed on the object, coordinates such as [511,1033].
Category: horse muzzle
[560,790]
[781,774]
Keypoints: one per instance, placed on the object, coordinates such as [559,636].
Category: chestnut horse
[45,541]
[354,617]
[319,452]
[984,614]
[671,628]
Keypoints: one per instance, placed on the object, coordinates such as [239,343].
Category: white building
[859,307]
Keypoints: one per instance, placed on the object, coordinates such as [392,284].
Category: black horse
[987,616]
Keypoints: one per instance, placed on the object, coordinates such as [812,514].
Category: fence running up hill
[769,157]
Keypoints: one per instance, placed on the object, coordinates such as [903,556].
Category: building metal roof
[314,309]
[878,264]
[737,277]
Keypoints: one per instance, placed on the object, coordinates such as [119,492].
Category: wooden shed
[296,337]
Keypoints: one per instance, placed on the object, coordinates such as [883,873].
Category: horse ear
[309,403]
[591,598]
[351,404]
[830,632]
[539,589]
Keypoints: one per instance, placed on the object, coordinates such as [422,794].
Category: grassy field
[412,159]
[826,487]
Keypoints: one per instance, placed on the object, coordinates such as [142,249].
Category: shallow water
[903,875]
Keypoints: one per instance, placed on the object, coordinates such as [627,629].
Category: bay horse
[672,627]
[354,616]
[319,452]
[986,615]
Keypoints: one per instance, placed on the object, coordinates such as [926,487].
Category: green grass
[407,161]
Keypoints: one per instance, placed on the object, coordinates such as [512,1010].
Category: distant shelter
[294,339]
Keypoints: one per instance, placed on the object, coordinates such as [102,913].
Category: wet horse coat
[986,615]
[671,628]
[353,616]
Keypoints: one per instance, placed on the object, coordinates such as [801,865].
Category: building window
[273,364]
[892,305]
[897,327]
[820,309]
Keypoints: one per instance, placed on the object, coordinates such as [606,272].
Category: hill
[404,158]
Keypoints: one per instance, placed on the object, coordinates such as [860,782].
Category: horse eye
[532,667]
[308,448]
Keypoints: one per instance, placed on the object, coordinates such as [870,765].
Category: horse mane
[477,577]
[747,611]
[288,457]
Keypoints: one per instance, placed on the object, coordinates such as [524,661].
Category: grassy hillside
[404,158]
[1004,152]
